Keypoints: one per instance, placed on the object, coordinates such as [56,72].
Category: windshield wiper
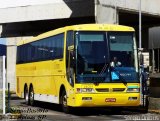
[103,69]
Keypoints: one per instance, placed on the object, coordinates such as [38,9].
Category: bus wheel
[31,96]
[65,108]
[26,95]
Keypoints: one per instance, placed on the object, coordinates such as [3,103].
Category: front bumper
[106,100]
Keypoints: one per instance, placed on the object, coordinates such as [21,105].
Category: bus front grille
[102,89]
[118,89]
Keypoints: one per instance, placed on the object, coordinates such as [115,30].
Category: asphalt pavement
[51,112]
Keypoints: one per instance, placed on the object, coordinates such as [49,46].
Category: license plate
[110,100]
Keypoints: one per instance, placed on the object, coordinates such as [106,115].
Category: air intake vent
[102,89]
[118,89]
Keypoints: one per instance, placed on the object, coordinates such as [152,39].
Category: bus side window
[70,58]
[59,44]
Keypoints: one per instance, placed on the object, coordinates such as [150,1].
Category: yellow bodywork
[99,98]
[48,76]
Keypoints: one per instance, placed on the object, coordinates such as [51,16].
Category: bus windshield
[123,56]
[92,57]
[121,48]
[103,57]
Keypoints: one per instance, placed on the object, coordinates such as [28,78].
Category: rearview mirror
[71,48]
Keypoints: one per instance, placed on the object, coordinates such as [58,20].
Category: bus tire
[26,95]
[63,98]
[31,96]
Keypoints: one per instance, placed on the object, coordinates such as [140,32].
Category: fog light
[132,98]
[86,98]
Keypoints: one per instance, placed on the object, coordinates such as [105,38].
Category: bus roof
[82,27]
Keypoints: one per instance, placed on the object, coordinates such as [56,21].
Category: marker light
[133,90]
[132,98]
[87,98]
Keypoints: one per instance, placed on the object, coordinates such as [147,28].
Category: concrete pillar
[105,13]
[11,61]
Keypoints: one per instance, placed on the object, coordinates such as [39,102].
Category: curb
[154,111]
[9,116]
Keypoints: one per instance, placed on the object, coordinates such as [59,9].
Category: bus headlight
[133,90]
[85,90]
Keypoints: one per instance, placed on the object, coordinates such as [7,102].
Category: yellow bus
[72,66]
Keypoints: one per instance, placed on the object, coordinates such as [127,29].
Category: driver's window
[121,49]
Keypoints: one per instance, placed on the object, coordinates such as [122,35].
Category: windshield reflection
[92,56]
[91,53]
[122,56]
[121,48]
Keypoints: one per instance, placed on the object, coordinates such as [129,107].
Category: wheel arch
[31,98]
[25,86]
[31,85]
[62,88]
